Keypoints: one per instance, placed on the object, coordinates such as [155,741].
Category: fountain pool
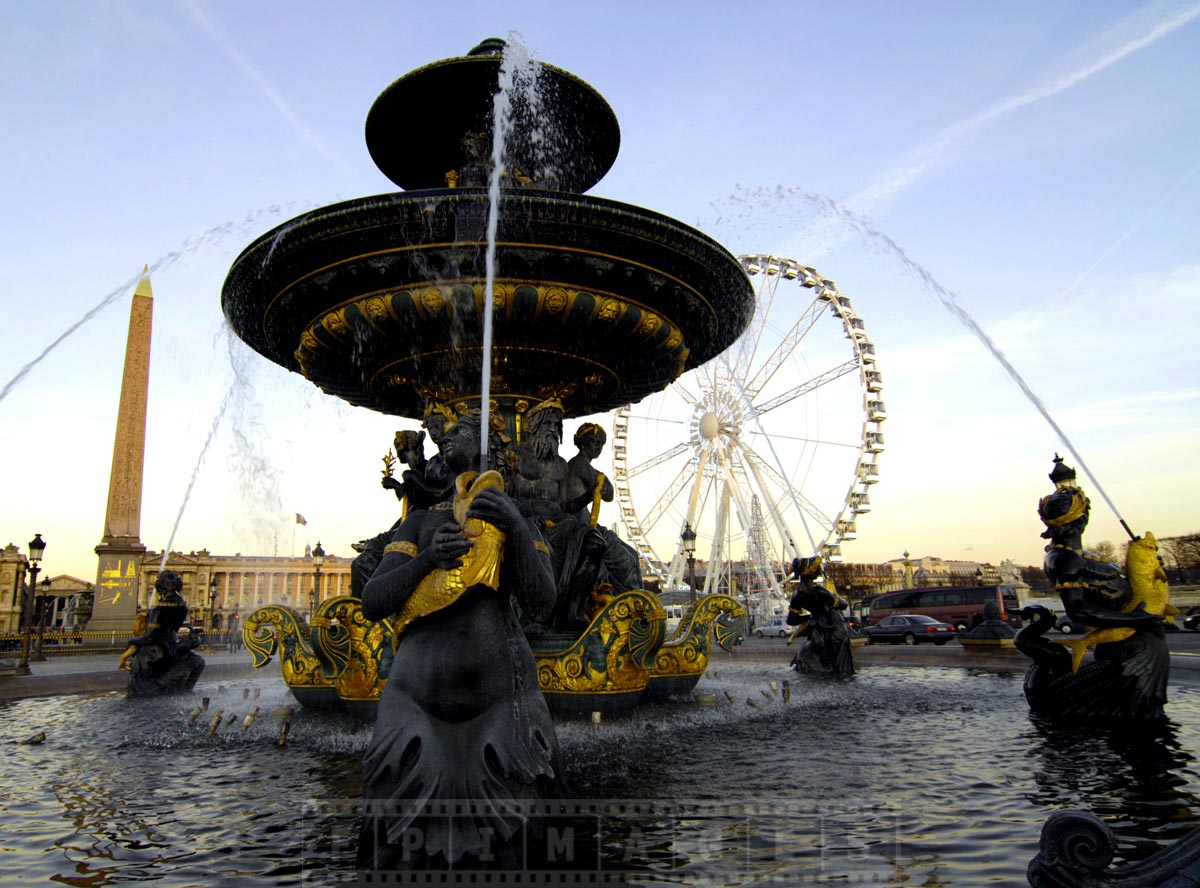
[901,776]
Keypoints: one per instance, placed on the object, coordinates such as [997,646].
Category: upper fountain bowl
[380,300]
[439,119]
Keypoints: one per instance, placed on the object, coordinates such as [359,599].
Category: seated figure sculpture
[1131,664]
[555,494]
[461,717]
[159,659]
[817,613]
[422,484]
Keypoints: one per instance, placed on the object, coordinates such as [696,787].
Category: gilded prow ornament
[679,664]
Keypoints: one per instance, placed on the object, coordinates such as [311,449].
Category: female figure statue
[159,660]
[817,612]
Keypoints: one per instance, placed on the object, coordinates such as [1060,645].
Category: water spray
[215,722]
[516,71]
[950,303]
[249,719]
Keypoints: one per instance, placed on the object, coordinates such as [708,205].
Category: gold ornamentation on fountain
[375,309]
[613,654]
[335,322]
[687,652]
[610,310]
[431,299]
[480,566]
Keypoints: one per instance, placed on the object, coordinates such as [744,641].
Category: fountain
[704,798]
[383,301]
[502,300]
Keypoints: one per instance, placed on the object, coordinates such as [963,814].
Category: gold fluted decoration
[359,680]
[480,566]
[344,655]
[269,628]
[688,652]
[613,655]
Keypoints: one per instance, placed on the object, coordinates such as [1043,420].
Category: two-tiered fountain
[384,302]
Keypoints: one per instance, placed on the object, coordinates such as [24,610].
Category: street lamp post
[43,600]
[318,558]
[688,540]
[36,547]
[212,606]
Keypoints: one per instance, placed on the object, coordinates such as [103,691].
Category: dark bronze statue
[988,625]
[563,499]
[160,660]
[421,485]
[1127,677]
[818,615]
[461,716]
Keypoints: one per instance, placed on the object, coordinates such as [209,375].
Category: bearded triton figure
[159,659]
[564,499]
[1128,675]
[461,717]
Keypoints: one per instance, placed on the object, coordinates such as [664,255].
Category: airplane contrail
[1134,32]
[1099,56]
[201,16]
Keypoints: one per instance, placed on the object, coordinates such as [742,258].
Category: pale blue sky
[1039,160]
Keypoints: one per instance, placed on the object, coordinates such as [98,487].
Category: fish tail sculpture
[480,566]
[1148,581]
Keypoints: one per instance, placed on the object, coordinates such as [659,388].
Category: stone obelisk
[121,548]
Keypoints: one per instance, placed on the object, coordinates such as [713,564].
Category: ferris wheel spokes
[786,345]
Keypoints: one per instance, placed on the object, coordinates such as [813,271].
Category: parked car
[773,628]
[909,629]
[1192,620]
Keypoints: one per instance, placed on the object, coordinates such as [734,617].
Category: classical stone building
[243,583]
[14,566]
[67,600]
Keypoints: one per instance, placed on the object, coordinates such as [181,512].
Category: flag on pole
[300,519]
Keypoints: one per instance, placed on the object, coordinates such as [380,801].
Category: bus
[956,605]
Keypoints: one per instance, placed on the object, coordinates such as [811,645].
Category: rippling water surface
[899,777]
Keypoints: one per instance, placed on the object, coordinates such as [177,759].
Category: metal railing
[64,643]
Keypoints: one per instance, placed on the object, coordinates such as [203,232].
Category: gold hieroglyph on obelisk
[121,548]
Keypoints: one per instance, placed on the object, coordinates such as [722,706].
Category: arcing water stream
[949,301]
[211,237]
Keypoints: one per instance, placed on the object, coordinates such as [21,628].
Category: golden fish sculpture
[1148,581]
[480,566]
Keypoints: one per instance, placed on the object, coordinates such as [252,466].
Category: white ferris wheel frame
[740,471]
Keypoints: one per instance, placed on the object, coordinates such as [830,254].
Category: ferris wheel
[765,453]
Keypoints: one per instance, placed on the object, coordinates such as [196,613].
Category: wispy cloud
[1131,34]
[202,17]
